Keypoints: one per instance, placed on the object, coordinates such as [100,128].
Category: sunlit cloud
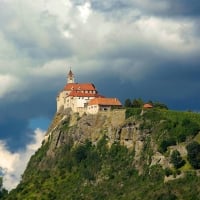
[13,164]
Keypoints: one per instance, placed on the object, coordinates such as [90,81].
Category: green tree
[128,103]
[80,153]
[137,103]
[176,159]
[3,191]
[165,144]
[190,127]
[160,105]
[193,150]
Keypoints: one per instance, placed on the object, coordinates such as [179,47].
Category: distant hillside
[121,154]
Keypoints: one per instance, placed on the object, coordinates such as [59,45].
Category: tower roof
[70,73]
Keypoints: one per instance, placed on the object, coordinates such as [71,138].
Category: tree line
[138,103]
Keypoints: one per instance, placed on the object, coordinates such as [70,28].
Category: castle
[84,98]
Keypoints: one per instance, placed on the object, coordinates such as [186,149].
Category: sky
[127,48]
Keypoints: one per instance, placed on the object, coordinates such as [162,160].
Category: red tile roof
[105,102]
[147,105]
[80,94]
[80,86]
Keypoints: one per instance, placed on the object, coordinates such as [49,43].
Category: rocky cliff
[117,129]
[128,151]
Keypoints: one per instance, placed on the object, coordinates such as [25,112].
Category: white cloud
[50,69]
[174,35]
[85,11]
[152,4]
[13,164]
[8,84]
[40,39]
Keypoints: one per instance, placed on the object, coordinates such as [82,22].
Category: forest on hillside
[97,171]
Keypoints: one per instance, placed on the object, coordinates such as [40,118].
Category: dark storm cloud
[152,7]
[178,88]
[14,120]
[134,55]
[107,6]
[184,8]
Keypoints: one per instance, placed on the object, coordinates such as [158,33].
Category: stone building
[83,97]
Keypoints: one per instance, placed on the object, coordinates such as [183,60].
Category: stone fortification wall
[116,116]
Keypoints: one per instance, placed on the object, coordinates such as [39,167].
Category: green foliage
[160,105]
[65,125]
[133,112]
[170,127]
[3,191]
[104,171]
[168,172]
[156,173]
[127,103]
[167,196]
[99,172]
[191,127]
[80,153]
[176,159]
[194,154]
[137,103]
[102,147]
[154,115]
[165,144]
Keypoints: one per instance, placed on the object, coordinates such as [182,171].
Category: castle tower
[70,77]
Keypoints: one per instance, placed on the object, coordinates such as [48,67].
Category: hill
[121,154]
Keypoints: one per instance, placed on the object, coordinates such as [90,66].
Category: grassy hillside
[96,171]
[169,126]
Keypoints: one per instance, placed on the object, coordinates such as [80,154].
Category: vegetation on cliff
[3,191]
[161,163]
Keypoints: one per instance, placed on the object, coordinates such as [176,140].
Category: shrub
[80,153]
[167,196]
[128,103]
[168,172]
[133,112]
[191,127]
[156,173]
[102,146]
[165,144]
[176,159]
[3,191]
[194,154]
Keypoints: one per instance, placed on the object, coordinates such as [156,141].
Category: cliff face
[114,150]
[87,127]
[115,127]
[111,124]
